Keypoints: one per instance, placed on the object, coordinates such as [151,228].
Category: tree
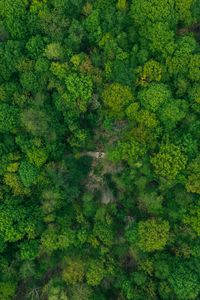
[194,96]
[29,81]
[155,20]
[59,70]
[76,99]
[104,233]
[184,282]
[18,222]
[154,96]
[152,71]
[184,10]
[151,202]
[35,46]
[178,63]
[172,112]
[54,51]
[28,173]
[53,239]
[95,272]
[193,180]
[29,250]
[73,272]
[54,290]
[160,39]
[153,11]
[192,219]
[81,292]
[194,69]
[13,181]
[153,235]
[10,52]
[14,14]
[92,25]
[121,5]
[9,116]
[117,97]
[76,34]
[131,152]
[7,290]
[146,119]
[169,161]
[37,156]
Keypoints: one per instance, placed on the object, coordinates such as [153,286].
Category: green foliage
[73,272]
[95,272]
[77,96]
[54,51]
[153,235]
[152,11]
[128,151]
[193,180]
[8,118]
[28,173]
[152,71]
[13,181]
[178,63]
[29,250]
[99,140]
[16,222]
[37,156]
[7,290]
[59,70]
[56,292]
[92,25]
[161,39]
[172,112]
[192,219]
[79,87]
[117,97]
[194,68]
[35,46]
[29,81]
[81,292]
[154,96]
[169,161]
[151,202]
[52,239]
[35,121]
[104,233]
[185,283]
[122,5]
[184,10]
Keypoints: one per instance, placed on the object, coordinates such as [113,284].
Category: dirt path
[95,181]
[94,154]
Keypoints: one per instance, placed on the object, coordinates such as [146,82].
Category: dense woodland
[99,149]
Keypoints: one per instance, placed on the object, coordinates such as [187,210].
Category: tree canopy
[99,149]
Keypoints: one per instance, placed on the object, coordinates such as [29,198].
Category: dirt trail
[94,154]
[95,181]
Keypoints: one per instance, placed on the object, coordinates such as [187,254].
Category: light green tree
[117,97]
[193,180]
[154,96]
[169,161]
[73,272]
[153,235]
[95,272]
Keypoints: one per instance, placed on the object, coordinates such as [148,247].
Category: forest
[99,149]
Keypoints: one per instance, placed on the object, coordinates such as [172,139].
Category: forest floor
[95,180]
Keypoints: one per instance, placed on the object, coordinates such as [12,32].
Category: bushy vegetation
[99,149]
